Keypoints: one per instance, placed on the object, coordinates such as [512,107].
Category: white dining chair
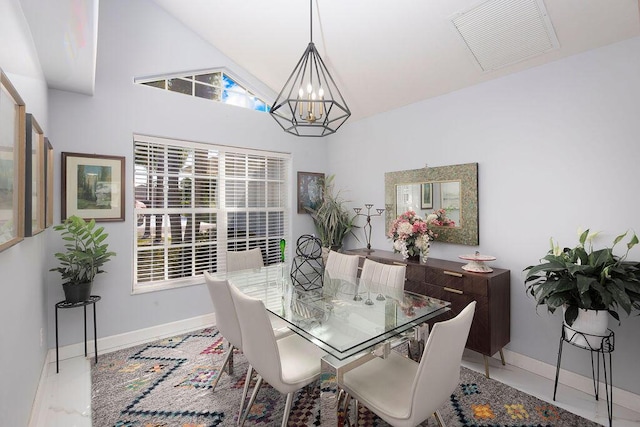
[229,327]
[287,364]
[244,260]
[403,392]
[342,265]
[392,275]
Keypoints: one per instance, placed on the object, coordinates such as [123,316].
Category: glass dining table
[351,320]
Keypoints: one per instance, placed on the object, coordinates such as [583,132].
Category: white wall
[557,148]
[23,266]
[139,39]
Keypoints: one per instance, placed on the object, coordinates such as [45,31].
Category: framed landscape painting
[12,164]
[48,187]
[35,178]
[93,186]
[310,185]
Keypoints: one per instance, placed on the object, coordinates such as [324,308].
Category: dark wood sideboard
[446,280]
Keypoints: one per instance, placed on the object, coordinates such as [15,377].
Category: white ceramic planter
[592,323]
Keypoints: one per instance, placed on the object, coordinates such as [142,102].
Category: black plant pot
[77,292]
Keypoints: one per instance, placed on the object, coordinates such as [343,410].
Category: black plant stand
[599,344]
[93,299]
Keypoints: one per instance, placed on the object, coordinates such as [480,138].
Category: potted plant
[85,254]
[586,282]
[331,218]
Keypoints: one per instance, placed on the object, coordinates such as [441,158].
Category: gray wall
[557,148]
[22,267]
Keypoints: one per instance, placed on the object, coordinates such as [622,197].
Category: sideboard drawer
[460,281]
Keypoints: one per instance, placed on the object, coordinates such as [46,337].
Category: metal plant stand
[600,345]
[93,299]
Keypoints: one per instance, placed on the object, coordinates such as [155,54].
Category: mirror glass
[449,190]
[426,197]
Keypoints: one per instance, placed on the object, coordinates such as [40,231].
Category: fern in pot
[86,251]
[587,284]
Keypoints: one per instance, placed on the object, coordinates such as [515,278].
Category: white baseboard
[585,384]
[130,339]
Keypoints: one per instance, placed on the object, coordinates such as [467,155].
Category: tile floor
[66,399]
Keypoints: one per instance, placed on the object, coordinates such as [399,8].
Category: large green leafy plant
[86,250]
[584,278]
[331,218]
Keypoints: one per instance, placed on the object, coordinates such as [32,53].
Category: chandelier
[310,103]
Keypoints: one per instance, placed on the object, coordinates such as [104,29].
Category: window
[196,201]
[214,85]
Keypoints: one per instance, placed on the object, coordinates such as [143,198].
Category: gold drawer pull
[455,291]
[452,273]
[399,263]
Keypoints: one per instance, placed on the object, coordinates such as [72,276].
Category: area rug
[167,383]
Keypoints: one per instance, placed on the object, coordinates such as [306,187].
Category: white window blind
[194,202]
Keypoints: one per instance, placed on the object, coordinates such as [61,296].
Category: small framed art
[93,186]
[426,201]
[310,185]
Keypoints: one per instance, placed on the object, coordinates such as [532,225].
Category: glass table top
[345,316]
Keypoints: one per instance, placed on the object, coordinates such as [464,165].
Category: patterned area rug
[168,384]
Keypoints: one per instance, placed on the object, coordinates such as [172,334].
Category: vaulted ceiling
[383,55]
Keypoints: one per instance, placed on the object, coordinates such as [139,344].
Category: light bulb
[321,92]
[309,88]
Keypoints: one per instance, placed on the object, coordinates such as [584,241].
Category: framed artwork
[35,181]
[48,186]
[310,185]
[93,186]
[426,201]
[12,164]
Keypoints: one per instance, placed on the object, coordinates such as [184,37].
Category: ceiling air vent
[502,32]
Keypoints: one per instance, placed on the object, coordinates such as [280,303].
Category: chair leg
[439,419]
[287,409]
[225,361]
[251,400]
[345,410]
[356,406]
[247,381]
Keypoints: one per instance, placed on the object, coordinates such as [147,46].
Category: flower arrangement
[585,278]
[439,218]
[411,235]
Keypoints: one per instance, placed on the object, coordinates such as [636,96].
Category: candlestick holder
[367,226]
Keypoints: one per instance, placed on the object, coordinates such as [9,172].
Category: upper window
[195,202]
[213,85]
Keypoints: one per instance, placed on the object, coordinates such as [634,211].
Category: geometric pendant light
[310,103]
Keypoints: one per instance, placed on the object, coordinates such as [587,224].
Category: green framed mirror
[452,188]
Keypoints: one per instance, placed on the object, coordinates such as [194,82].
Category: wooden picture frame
[48,176]
[310,188]
[426,195]
[93,186]
[34,189]
[12,167]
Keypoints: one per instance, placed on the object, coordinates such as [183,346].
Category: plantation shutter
[196,201]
